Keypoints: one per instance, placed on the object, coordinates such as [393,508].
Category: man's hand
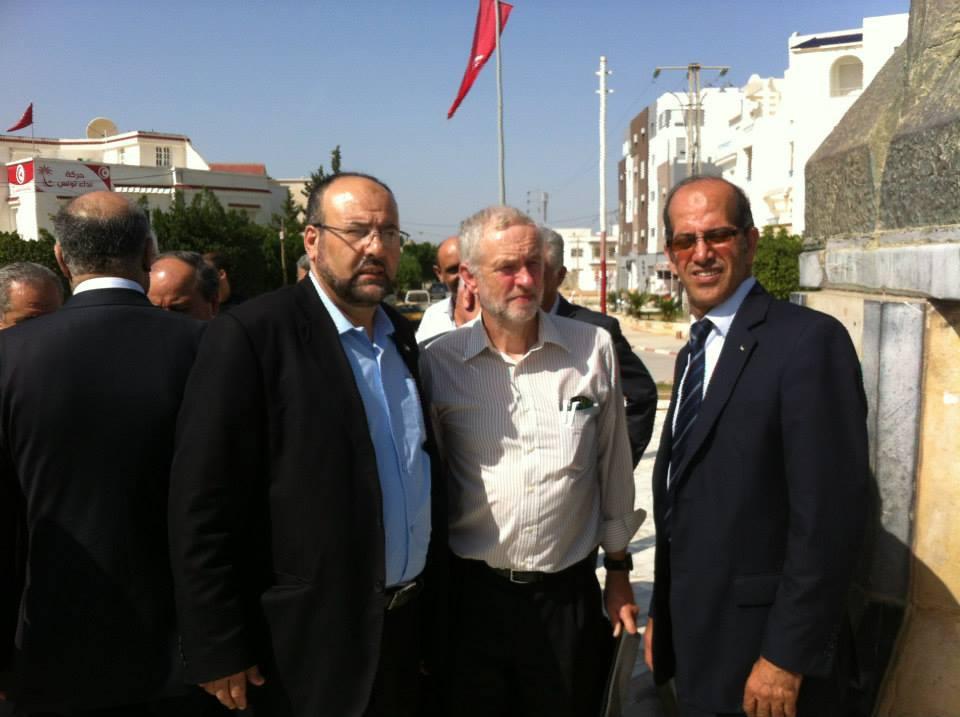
[648,644]
[621,607]
[771,691]
[232,690]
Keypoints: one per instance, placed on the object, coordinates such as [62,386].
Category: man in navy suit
[760,482]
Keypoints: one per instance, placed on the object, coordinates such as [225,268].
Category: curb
[665,352]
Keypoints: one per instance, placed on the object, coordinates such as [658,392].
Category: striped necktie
[691,392]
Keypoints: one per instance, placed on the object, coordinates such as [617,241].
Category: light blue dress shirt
[395,420]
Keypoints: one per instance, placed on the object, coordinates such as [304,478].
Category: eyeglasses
[354,236]
[711,237]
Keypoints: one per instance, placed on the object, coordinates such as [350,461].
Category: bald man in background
[185,282]
[440,318]
[89,398]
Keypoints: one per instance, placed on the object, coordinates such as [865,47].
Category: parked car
[417,296]
[414,303]
[438,291]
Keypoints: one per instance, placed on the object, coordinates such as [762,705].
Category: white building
[827,71]
[759,136]
[581,257]
[44,174]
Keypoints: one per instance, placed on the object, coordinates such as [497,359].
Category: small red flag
[484,43]
[25,121]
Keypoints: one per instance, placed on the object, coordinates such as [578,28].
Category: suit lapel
[738,346]
[319,336]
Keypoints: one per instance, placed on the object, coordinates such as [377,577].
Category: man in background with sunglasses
[300,509]
[760,483]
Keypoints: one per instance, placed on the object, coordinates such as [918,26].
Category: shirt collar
[547,333]
[107,282]
[722,316]
[382,326]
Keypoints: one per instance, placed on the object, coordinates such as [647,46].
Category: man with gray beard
[529,415]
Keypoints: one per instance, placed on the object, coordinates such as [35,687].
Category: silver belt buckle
[396,596]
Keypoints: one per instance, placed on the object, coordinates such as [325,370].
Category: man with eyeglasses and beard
[302,505]
[760,484]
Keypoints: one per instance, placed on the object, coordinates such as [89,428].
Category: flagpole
[503,190]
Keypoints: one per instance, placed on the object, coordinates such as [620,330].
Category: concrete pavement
[642,698]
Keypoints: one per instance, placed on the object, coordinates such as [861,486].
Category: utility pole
[603,91]
[695,102]
[500,152]
[283,251]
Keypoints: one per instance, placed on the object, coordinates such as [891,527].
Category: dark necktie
[691,393]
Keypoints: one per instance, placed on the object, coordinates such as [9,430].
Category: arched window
[846,76]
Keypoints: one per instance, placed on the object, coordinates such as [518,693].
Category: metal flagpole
[503,189]
[603,183]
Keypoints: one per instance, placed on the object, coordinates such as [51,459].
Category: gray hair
[304,263]
[472,228]
[102,245]
[552,247]
[25,272]
[207,276]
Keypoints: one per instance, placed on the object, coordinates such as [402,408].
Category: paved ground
[657,351]
[642,697]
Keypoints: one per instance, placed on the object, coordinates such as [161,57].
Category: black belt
[531,577]
[400,595]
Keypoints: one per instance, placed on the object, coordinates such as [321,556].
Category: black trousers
[396,686]
[195,704]
[537,649]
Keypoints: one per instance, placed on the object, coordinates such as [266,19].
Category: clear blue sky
[283,82]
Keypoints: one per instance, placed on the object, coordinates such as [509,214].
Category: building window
[163,156]
[643,170]
[846,76]
[748,157]
[120,155]
[611,252]
[596,251]
[682,149]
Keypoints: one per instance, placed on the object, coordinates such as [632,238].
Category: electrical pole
[500,153]
[283,252]
[695,102]
[603,182]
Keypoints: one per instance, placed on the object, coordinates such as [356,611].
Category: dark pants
[537,649]
[196,704]
[396,686]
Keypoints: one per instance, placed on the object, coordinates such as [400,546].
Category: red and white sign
[20,177]
[71,179]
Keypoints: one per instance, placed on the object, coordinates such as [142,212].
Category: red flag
[484,43]
[25,121]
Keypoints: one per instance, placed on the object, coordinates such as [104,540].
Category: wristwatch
[625,564]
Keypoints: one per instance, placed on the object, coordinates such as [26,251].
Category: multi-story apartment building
[759,136]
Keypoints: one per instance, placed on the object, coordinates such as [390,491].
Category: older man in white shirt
[530,416]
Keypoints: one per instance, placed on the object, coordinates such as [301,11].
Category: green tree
[291,220]
[777,262]
[321,174]
[13,248]
[408,273]
[204,225]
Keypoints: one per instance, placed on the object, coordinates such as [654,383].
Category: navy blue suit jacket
[768,511]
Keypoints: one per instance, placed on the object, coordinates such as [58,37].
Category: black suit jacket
[88,403]
[276,522]
[639,390]
[768,511]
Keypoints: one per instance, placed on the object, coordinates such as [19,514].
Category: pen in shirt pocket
[577,403]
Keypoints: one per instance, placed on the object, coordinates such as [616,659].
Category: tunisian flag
[25,121]
[484,43]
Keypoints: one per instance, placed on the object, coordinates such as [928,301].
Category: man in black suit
[760,482]
[301,490]
[89,397]
[639,390]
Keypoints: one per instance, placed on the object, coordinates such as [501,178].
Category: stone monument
[882,246]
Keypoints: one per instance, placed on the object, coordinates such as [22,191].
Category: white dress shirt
[721,317]
[107,282]
[535,484]
[436,320]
